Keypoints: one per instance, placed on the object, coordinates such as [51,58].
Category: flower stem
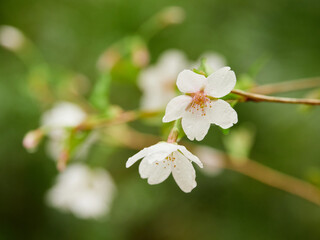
[174,133]
[263,98]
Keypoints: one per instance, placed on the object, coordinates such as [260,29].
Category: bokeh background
[72,34]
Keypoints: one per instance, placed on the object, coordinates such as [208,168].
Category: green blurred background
[72,34]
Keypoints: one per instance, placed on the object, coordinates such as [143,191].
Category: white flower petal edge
[189,81]
[221,82]
[159,160]
[158,81]
[222,114]
[161,147]
[195,127]
[86,192]
[176,107]
[184,173]
[197,109]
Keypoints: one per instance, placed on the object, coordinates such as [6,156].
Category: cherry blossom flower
[56,121]
[159,160]
[200,106]
[158,82]
[85,192]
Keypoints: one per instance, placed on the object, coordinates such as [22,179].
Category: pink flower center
[199,103]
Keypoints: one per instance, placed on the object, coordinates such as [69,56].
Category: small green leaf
[225,131]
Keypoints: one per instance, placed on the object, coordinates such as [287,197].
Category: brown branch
[263,98]
[287,86]
[277,179]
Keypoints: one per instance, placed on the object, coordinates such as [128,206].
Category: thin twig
[287,86]
[263,98]
[277,179]
[123,117]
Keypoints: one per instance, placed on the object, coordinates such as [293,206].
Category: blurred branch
[135,140]
[287,86]
[263,98]
[122,117]
[168,16]
[276,179]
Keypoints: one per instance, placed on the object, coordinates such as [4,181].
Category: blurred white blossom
[172,15]
[85,192]
[63,114]
[200,106]
[163,158]
[212,159]
[56,121]
[11,38]
[214,60]
[157,82]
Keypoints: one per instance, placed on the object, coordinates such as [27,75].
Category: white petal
[161,148]
[146,168]
[190,82]
[158,156]
[195,127]
[184,173]
[176,107]
[63,114]
[190,156]
[222,114]
[221,82]
[136,157]
[160,173]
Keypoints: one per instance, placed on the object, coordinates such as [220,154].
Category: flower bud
[172,15]
[140,56]
[109,59]
[11,38]
[32,139]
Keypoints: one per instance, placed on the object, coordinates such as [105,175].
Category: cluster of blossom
[83,191]
[88,193]
[158,82]
[198,108]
